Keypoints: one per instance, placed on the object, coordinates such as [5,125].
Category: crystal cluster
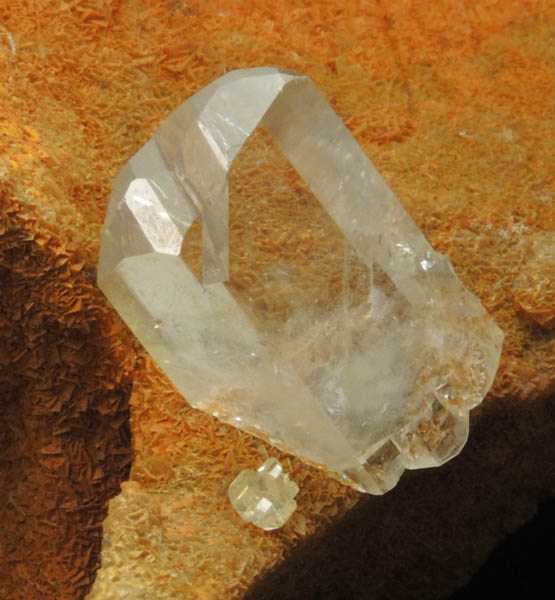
[262,260]
[264,497]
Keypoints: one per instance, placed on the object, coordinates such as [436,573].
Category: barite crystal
[264,263]
[264,497]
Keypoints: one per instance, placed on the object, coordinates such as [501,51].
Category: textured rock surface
[454,106]
[368,368]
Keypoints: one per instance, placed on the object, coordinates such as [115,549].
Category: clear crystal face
[261,259]
[264,497]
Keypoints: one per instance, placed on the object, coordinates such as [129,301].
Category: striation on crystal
[264,497]
[262,260]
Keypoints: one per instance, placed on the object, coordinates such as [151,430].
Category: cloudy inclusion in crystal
[371,371]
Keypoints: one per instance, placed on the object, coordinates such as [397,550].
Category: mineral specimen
[264,497]
[262,260]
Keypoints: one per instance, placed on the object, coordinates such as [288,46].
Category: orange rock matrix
[452,101]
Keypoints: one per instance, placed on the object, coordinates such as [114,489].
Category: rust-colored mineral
[454,105]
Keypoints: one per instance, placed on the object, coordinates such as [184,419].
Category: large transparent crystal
[262,260]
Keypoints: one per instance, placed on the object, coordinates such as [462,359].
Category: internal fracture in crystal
[264,497]
[265,264]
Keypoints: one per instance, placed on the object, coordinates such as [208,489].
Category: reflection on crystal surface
[157,226]
[264,263]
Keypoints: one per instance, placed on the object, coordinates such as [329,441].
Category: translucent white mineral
[264,497]
[262,260]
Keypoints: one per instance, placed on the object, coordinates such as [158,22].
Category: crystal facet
[265,264]
[264,497]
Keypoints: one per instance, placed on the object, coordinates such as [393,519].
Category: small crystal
[264,497]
